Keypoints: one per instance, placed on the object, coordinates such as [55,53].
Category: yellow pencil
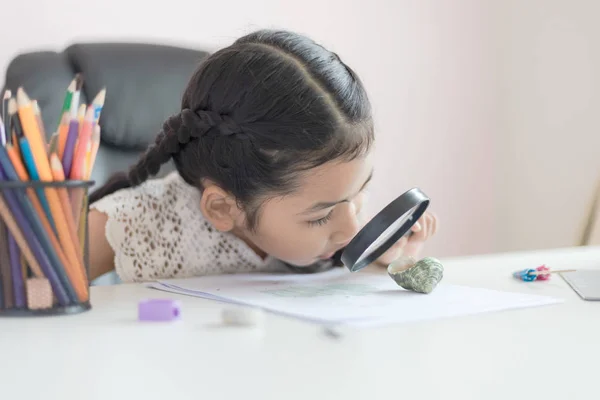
[90,158]
[38,118]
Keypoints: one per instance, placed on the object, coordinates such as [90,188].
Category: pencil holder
[44,248]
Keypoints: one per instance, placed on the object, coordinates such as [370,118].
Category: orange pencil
[69,244]
[78,165]
[89,166]
[85,135]
[38,118]
[77,275]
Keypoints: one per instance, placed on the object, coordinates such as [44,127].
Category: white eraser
[242,316]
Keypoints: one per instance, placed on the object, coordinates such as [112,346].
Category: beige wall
[549,53]
[474,102]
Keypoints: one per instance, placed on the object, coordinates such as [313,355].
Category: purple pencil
[16,272]
[67,159]
[6,296]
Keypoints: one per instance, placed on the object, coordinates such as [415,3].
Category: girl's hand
[425,227]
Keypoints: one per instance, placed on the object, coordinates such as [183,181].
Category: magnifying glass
[385,229]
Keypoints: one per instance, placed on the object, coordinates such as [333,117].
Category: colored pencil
[77,276]
[7,211]
[38,118]
[23,263]
[90,158]
[81,114]
[44,228]
[67,159]
[28,161]
[63,131]
[76,95]
[79,155]
[31,168]
[69,244]
[98,104]
[53,144]
[18,202]
[17,233]
[6,123]
[66,107]
[16,273]
[32,133]
[2,132]
[6,287]
[50,231]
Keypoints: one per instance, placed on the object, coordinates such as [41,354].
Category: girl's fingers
[417,227]
[400,243]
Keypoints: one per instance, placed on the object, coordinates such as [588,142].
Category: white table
[551,352]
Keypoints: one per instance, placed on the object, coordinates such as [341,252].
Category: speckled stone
[422,276]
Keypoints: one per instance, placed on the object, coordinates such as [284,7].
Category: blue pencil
[23,211]
[33,174]
[4,270]
[16,273]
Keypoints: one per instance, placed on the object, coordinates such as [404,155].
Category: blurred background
[491,108]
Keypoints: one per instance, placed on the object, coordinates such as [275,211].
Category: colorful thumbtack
[159,310]
[541,273]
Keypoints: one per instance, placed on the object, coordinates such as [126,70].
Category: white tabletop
[549,352]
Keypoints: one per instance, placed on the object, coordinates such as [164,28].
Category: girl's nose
[347,225]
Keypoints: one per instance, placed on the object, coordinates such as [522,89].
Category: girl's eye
[321,221]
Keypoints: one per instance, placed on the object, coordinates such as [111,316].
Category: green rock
[421,277]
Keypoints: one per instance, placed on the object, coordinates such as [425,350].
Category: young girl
[272,150]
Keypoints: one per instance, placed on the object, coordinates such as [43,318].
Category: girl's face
[320,218]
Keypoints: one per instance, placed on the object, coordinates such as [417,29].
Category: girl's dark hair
[256,114]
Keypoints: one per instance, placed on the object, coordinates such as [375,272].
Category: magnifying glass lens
[388,233]
[385,229]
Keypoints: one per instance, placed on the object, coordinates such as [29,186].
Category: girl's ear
[219,208]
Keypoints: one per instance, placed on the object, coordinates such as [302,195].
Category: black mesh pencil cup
[43,247]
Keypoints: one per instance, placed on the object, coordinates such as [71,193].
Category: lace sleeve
[124,228]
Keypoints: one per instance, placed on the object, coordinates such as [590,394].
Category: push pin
[159,310]
[541,273]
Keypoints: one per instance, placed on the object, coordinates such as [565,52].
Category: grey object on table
[585,282]
[144,85]
[421,276]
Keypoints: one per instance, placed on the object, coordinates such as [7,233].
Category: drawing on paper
[338,289]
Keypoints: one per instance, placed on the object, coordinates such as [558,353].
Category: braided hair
[256,114]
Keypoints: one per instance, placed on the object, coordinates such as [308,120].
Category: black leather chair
[144,85]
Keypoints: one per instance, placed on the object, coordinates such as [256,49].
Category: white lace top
[157,231]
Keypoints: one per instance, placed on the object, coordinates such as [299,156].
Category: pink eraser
[39,293]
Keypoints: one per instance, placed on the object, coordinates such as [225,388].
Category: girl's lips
[329,255]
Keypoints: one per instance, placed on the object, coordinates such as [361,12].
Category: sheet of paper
[341,297]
